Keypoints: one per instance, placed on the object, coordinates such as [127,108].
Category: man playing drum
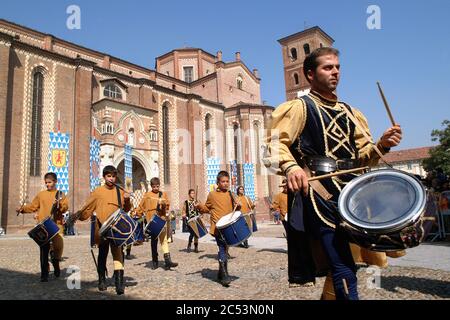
[157,202]
[104,201]
[45,204]
[316,128]
[247,206]
[191,212]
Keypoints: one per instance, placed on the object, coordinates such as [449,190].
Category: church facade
[193,108]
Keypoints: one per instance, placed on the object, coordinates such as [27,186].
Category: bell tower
[294,49]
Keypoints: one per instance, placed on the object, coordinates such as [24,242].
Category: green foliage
[440,155]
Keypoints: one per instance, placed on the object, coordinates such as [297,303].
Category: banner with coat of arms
[58,159]
[94,161]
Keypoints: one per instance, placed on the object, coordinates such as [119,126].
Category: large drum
[251,221]
[119,228]
[386,210]
[155,226]
[139,233]
[43,232]
[233,228]
[197,226]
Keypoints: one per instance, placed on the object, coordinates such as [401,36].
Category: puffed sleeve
[366,151]
[288,122]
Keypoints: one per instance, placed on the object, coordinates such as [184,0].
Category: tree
[440,155]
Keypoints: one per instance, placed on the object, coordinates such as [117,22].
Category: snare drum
[119,228]
[43,232]
[139,233]
[386,210]
[233,228]
[155,226]
[197,226]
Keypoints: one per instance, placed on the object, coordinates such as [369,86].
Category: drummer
[104,201]
[43,204]
[247,206]
[314,128]
[219,203]
[157,202]
[189,212]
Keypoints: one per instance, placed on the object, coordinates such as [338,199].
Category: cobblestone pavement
[257,273]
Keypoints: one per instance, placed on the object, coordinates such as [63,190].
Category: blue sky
[409,55]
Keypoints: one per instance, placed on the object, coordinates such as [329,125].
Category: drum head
[383,200]
[230,218]
[111,219]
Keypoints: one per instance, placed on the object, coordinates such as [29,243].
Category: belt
[328,165]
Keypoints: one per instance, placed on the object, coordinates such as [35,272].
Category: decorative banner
[212,169]
[249,180]
[128,162]
[58,159]
[233,175]
[94,160]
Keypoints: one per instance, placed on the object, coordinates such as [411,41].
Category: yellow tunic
[218,204]
[246,204]
[103,201]
[43,203]
[149,204]
[288,122]
[280,204]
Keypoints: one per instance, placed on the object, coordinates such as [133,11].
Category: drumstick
[121,188]
[21,207]
[196,193]
[388,109]
[344,282]
[338,173]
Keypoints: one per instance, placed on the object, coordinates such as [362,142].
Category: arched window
[208,135]
[112,91]
[36,124]
[306,48]
[257,147]
[239,82]
[166,155]
[294,54]
[296,80]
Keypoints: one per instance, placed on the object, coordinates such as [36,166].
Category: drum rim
[109,221]
[229,223]
[419,206]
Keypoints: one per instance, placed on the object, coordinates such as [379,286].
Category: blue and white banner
[58,159]
[233,175]
[212,169]
[128,167]
[249,180]
[94,160]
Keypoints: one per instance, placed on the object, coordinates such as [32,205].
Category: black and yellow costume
[312,127]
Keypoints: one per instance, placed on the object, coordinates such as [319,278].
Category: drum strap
[232,199]
[248,203]
[158,207]
[364,133]
[55,207]
[317,186]
[119,198]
